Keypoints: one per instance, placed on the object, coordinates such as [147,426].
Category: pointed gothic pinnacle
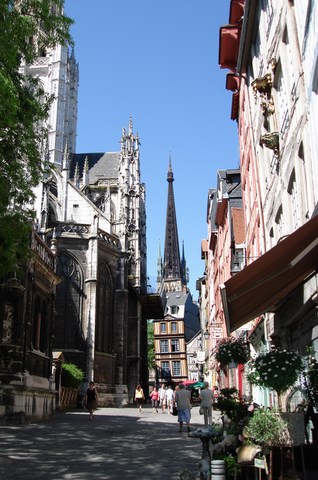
[85,171]
[183,255]
[130,129]
[86,164]
[66,156]
[76,174]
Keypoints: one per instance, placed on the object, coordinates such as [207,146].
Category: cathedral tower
[174,272]
[180,322]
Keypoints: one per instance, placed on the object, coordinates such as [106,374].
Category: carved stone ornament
[271,140]
[272,63]
[263,85]
[267,105]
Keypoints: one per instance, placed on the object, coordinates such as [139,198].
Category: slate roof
[191,313]
[176,298]
[101,165]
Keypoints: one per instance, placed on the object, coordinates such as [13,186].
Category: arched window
[104,317]
[69,300]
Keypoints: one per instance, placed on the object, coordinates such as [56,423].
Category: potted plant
[278,369]
[234,408]
[232,349]
[266,428]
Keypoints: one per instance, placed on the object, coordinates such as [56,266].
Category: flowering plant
[278,369]
[232,349]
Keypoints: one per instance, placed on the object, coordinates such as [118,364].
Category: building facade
[273,79]
[84,294]
[180,322]
[224,256]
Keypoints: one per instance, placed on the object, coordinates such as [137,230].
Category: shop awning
[197,385]
[265,284]
[228,46]
[188,383]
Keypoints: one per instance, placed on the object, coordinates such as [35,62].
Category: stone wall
[24,398]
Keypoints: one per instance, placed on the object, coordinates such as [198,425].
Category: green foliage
[27,29]
[232,470]
[310,378]
[14,240]
[151,345]
[232,349]
[266,428]
[278,369]
[72,376]
[236,410]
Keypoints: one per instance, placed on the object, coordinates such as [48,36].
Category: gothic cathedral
[82,296]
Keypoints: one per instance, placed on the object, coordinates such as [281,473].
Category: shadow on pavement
[112,446]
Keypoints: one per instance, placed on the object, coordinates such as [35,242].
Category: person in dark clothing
[91,399]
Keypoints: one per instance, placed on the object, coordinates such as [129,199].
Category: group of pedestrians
[180,399]
[163,397]
[166,398]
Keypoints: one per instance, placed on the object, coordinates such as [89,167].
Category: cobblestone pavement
[117,444]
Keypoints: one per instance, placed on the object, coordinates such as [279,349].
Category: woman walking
[154,399]
[91,399]
[139,397]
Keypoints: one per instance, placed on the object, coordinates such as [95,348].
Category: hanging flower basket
[278,369]
[231,350]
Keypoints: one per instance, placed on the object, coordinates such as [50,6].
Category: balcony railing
[43,251]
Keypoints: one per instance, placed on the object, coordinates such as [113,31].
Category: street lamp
[206,335]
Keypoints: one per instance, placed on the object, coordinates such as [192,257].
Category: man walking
[183,400]
[206,403]
[169,399]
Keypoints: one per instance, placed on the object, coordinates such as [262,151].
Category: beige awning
[265,284]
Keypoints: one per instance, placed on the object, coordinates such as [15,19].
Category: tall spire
[172,273]
[184,269]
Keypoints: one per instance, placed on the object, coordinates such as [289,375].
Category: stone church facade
[84,292]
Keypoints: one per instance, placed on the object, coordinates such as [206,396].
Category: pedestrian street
[119,443]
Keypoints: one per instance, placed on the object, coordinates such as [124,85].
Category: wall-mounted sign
[200,357]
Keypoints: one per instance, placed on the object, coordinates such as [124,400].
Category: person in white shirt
[169,399]
[162,397]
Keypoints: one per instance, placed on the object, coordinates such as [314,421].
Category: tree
[151,345]
[27,29]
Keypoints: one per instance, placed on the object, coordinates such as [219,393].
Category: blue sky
[157,62]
